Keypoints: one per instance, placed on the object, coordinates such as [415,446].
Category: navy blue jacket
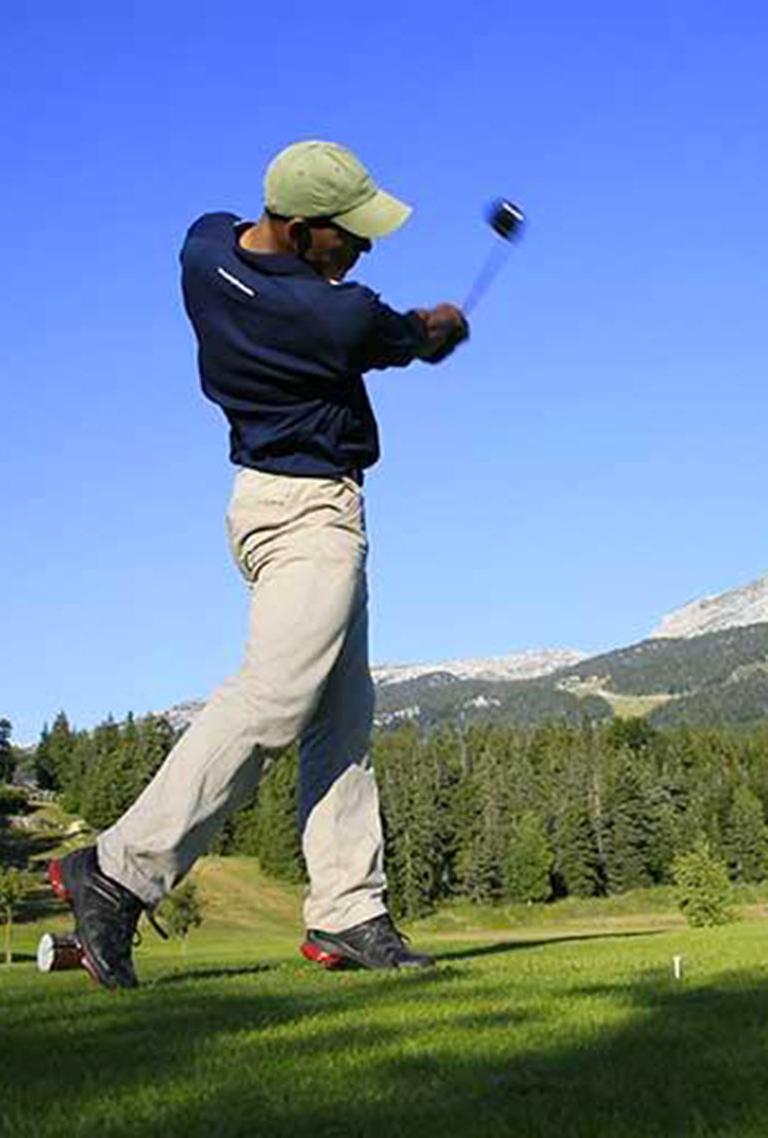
[282,352]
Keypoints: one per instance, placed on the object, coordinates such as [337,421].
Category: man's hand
[445,326]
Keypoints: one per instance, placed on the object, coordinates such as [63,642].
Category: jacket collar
[275,264]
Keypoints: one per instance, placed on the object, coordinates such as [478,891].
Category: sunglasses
[362,243]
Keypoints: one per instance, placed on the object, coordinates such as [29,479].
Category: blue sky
[592,458]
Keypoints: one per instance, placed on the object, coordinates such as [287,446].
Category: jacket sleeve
[393,339]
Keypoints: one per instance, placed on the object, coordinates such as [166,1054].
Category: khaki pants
[301,545]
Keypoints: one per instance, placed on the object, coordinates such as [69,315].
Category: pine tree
[665,810]
[54,754]
[80,762]
[7,761]
[445,758]
[107,789]
[577,863]
[277,841]
[528,860]
[629,832]
[483,806]
[702,886]
[633,734]
[407,789]
[44,773]
[746,837]
[155,740]
[420,790]
[238,833]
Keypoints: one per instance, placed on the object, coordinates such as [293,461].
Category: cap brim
[381,215]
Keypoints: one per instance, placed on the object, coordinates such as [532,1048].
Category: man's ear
[298,233]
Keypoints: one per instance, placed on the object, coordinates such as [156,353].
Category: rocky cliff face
[747,604]
[515,666]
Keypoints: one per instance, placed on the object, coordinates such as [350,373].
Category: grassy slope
[555,1031]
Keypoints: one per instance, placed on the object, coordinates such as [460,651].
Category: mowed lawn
[560,1032]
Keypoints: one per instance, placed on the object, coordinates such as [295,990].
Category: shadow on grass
[504,946]
[221,973]
[382,1056]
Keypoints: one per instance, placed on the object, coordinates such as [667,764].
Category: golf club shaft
[485,277]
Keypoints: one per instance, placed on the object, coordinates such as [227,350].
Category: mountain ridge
[735,608]
[514,666]
[706,659]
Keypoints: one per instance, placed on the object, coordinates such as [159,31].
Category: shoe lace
[161,932]
[123,913]
[150,915]
[389,935]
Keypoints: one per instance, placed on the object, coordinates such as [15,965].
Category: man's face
[333,251]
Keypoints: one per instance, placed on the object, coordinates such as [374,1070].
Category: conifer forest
[486,813]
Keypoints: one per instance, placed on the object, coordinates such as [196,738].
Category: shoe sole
[332,961]
[328,954]
[64,893]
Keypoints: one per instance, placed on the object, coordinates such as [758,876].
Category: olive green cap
[323,179]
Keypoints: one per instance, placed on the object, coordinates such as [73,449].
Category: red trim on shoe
[90,968]
[56,879]
[319,956]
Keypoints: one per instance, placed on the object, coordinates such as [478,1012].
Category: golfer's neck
[265,237]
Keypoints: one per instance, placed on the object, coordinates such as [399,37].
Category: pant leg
[301,545]
[339,812]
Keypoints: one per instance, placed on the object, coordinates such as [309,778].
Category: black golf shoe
[373,944]
[106,916]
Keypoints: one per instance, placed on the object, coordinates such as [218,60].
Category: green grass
[623,706]
[531,1030]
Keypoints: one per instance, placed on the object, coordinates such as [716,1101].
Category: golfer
[284,340]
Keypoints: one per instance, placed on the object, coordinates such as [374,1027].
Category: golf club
[506,220]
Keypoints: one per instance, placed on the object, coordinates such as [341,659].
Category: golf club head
[505,218]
